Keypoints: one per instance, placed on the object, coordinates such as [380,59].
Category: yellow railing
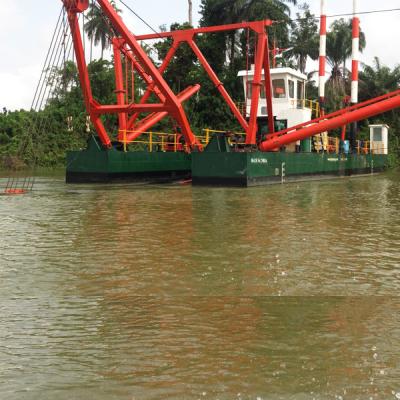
[313,105]
[208,133]
[364,147]
[328,144]
[242,107]
[174,142]
[171,142]
[161,141]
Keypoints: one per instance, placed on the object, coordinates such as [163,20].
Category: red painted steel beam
[218,84]
[151,120]
[76,6]
[144,75]
[129,108]
[119,84]
[209,29]
[268,88]
[333,123]
[151,86]
[256,90]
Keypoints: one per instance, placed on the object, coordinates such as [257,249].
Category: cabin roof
[379,126]
[276,71]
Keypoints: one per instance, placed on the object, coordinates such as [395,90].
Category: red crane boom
[332,121]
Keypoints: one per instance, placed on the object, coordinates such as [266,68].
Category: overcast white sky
[26,27]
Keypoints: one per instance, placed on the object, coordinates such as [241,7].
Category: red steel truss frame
[170,104]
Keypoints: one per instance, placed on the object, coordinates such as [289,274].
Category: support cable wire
[41,123]
[37,122]
[46,123]
[54,61]
[141,19]
[151,47]
[59,52]
[47,57]
[52,50]
[40,93]
[339,15]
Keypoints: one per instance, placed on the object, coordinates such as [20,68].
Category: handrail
[327,144]
[159,139]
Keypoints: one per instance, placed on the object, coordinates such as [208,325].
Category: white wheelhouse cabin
[288,95]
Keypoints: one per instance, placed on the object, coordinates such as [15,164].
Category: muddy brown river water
[175,292]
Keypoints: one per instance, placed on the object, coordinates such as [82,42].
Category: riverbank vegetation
[42,137]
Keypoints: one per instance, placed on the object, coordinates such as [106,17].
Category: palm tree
[339,48]
[378,79]
[304,39]
[98,27]
[217,12]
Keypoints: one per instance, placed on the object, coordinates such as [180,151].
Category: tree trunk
[232,49]
[190,12]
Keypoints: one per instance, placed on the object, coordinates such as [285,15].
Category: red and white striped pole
[322,57]
[354,67]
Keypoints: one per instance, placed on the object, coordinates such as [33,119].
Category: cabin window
[300,90]
[377,136]
[249,90]
[278,86]
[291,89]
[262,91]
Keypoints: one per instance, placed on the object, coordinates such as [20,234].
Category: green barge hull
[220,165]
[96,164]
[217,165]
[256,168]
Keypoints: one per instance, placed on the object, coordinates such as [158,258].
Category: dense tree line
[44,136]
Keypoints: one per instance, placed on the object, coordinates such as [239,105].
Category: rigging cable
[55,84]
[141,19]
[341,15]
[36,124]
[149,46]
[45,70]
[40,94]
[47,57]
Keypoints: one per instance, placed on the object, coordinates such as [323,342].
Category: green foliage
[377,80]
[182,70]
[232,45]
